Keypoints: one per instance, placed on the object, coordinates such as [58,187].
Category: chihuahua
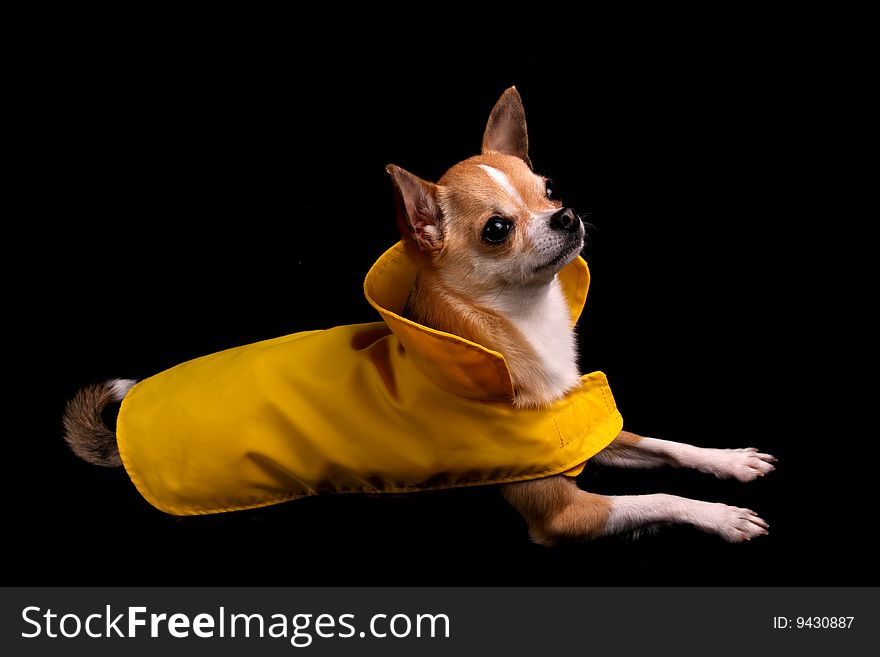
[489,241]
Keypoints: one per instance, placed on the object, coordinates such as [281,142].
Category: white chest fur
[542,316]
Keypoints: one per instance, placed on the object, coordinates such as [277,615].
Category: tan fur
[627,438]
[557,510]
[468,196]
[506,128]
[84,430]
[434,304]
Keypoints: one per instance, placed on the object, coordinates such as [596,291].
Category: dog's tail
[85,431]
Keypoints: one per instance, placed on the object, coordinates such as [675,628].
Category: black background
[198,191]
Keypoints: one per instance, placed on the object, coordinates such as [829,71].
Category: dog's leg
[631,451]
[558,511]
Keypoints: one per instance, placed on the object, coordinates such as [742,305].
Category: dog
[489,257]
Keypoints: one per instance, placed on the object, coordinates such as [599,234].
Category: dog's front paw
[731,523]
[742,464]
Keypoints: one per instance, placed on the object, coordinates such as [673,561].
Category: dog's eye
[496,230]
[551,188]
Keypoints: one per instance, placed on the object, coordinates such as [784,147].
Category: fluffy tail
[85,431]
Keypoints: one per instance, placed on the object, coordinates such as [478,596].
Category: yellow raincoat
[387,406]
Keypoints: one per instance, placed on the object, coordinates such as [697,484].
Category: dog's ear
[506,130]
[418,215]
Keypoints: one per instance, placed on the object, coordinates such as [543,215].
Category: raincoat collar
[458,365]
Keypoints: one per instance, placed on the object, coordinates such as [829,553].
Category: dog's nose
[564,219]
